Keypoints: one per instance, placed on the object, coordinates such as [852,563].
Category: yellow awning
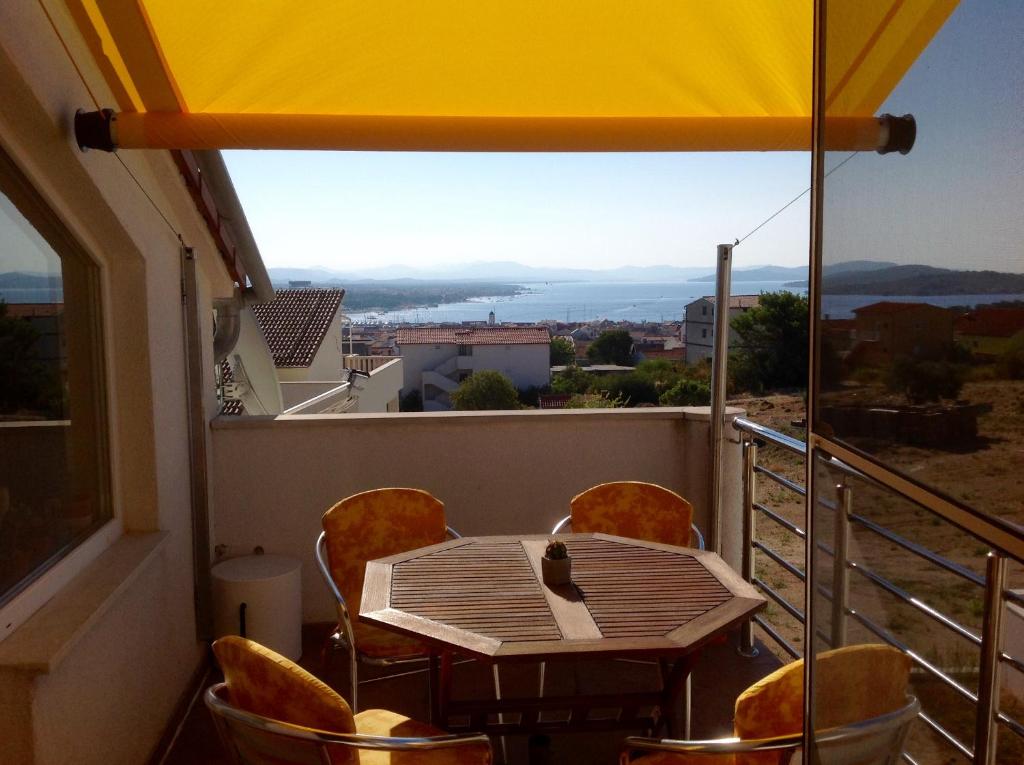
[537,75]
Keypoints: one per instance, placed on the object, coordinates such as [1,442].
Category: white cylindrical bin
[260,597]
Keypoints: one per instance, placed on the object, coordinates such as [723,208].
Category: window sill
[39,645]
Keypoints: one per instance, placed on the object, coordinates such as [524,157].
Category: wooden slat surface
[492,588]
[487,587]
[636,591]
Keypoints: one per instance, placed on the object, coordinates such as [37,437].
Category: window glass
[53,476]
[922,295]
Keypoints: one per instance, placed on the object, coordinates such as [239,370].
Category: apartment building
[699,324]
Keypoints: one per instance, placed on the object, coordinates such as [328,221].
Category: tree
[632,388]
[563,352]
[613,346]
[922,381]
[593,401]
[27,385]
[772,350]
[485,390]
[571,380]
[686,393]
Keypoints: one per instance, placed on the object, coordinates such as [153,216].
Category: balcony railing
[844,603]
[366,363]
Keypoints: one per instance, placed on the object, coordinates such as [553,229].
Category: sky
[954,201]
[375,209]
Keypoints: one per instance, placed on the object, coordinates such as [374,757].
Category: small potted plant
[556,565]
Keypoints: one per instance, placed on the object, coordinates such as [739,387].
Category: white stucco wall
[419,357]
[526,365]
[94,674]
[259,367]
[516,471]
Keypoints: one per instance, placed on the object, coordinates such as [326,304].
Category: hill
[918,280]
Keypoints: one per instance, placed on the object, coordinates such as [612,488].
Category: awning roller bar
[109,130]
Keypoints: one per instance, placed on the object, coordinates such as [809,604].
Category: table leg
[444,688]
[676,684]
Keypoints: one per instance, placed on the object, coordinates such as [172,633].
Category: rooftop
[737,301]
[892,306]
[991,322]
[296,322]
[474,336]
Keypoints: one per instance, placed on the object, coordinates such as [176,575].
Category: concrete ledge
[39,645]
[440,419]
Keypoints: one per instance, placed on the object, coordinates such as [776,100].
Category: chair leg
[686,708]
[501,717]
[540,689]
[353,668]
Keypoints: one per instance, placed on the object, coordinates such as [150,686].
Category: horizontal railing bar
[1010,723]
[1013,597]
[774,437]
[780,560]
[919,550]
[926,665]
[948,737]
[908,758]
[774,635]
[906,597]
[792,610]
[781,480]
[781,521]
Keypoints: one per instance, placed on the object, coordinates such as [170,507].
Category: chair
[270,711]
[633,509]
[862,711]
[365,526]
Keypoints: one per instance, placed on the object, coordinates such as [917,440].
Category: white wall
[381,389]
[93,675]
[497,473]
[259,367]
[419,357]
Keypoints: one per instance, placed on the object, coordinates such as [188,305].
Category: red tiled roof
[296,322]
[991,322]
[230,407]
[473,336]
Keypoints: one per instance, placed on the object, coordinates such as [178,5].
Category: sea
[628,301]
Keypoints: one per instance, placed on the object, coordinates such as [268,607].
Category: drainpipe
[720,356]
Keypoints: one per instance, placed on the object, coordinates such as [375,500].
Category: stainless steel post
[988,682]
[746,647]
[840,569]
[720,357]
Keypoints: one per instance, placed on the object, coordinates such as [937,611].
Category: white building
[699,324]
[437,359]
[288,359]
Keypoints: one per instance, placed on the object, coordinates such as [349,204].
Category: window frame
[51,575]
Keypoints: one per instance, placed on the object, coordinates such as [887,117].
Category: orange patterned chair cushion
[380,722]
[633,509]
[376,524]
[267,684]
[852,683]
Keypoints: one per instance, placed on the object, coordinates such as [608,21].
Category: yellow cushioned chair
[861,705]
[270,711]
[633,509]
[374,524]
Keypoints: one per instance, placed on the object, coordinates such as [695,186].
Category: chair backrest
[376,524]
[265,684]
[852,684]
[633,509]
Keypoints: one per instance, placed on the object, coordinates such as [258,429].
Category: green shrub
[687,393]
[485,390]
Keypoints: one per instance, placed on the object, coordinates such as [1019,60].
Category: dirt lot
[985,474]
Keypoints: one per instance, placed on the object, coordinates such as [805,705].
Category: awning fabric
[565,75]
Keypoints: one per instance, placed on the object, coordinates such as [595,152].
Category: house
[699,324]
[988,331]
[288,359]
[437,359]
[887,329]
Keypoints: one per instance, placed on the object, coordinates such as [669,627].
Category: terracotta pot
[556,571]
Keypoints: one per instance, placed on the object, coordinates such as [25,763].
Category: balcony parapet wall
[496,472]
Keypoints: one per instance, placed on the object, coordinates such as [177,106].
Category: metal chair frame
[344,638]
[312,741]
[875,741]
[694,531]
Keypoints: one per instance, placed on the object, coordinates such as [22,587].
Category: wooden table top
[484,596]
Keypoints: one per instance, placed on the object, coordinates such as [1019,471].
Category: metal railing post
[988,681]
[720,357]
[840,569]
[746,646]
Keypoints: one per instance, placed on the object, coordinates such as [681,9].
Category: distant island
[785,273]
[917,280]
[402,294]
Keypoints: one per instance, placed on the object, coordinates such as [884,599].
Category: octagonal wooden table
[484,597]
